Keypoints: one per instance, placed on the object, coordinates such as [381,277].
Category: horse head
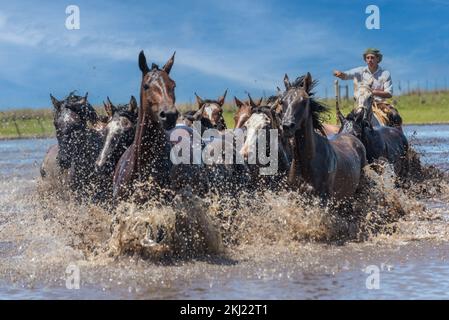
[262,118]
[211,111]
[244,110]
[119,132]
[70,120]
[363,97]
[158,92]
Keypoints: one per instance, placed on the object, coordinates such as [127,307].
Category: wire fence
[400,88]
[36,123]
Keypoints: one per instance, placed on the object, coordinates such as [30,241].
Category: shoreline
[37,137]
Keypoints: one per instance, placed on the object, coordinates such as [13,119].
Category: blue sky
[245,46]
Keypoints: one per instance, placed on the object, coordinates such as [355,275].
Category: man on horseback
[380,83]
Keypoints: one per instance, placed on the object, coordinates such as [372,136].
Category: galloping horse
[119,133]
[332,167]
[78,144]
[148,157]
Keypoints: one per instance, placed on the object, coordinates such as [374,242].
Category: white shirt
[381,78]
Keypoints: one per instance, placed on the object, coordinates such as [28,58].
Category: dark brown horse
[148,157]
[332,167]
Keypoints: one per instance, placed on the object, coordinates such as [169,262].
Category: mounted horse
[148,157]
[333,167]
[381,142]
[380,114]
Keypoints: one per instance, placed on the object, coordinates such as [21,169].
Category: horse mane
[272,99]
[262,109]
[88,111]
[210,101]
[319,109]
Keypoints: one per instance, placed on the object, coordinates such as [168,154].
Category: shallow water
[39,240]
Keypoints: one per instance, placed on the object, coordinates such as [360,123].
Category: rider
[381,82]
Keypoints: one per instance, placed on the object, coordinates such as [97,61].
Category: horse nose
[288,127]
[168,118]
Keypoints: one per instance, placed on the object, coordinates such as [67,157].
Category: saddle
[387,114]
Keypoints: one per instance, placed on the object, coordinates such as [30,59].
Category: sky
[243,46]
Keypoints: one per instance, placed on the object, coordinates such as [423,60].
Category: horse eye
[146,87]
[126,122]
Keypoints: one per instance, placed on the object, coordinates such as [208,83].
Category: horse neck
[149,140]
[304,148]
[88,145]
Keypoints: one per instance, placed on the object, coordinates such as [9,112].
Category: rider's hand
[338,74]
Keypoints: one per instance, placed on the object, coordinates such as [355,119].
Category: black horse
[79,144]
[381,142]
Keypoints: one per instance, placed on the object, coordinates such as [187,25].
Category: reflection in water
[38,240]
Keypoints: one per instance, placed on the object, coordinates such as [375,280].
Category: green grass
[415,108]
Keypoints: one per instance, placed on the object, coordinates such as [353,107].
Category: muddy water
[276,247]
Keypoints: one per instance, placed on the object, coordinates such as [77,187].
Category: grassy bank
[415,108]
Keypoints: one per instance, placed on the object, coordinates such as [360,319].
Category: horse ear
[251,102]
[169,64]
[132,104]
[84,99]
[199,101]
[238,103]
[287,82]
[307,82]
[143,66]
[221,100]
[260,102]
[56,103]
[279,91]
[109,107]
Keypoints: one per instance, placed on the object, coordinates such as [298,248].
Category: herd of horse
[125,155]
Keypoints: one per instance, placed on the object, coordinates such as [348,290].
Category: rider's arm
[387,91]
[350,74]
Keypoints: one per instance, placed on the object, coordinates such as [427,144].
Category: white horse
[364,101]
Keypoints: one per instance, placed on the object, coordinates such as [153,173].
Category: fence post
[337,97]
[16,125]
